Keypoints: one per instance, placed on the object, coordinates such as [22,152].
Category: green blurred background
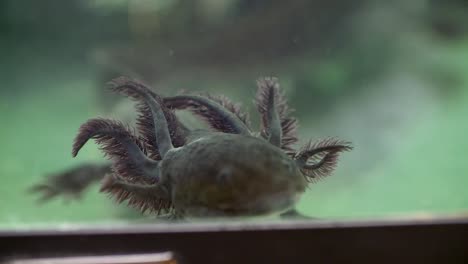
[390,76]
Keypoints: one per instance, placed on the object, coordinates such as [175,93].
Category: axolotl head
[231,175]
[226,171]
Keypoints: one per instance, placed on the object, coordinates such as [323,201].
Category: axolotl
[227,171]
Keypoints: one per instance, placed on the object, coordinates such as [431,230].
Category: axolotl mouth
[273,204]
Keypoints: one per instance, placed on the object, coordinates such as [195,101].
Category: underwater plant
[227,171]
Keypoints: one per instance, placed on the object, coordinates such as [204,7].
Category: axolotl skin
[228,171]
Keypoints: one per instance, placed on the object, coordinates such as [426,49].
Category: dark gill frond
[318,160]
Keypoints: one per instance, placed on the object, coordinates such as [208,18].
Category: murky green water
[400,94]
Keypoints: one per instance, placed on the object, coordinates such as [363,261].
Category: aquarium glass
[391,77]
